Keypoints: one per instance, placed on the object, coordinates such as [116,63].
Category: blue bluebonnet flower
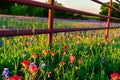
[102,59]
[5,72]
[0,44]
[24,52]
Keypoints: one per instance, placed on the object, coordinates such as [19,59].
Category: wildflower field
[84,55]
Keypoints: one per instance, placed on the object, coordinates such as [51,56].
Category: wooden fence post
[108,20]
[50,21]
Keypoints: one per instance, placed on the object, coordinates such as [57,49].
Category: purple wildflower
[32,64]
[5,72]
[78,44]
[31,42]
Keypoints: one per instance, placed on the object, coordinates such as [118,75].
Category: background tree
[5,7]
[114,13]
[19,9]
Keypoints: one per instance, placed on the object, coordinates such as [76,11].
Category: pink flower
[9,78]
[33,69]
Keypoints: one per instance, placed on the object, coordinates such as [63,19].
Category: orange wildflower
[34,56]
[45,52]
[106,42]
[21,43]
[53,53]
[80,60]
[28,43]
[8,41]
[61,63]
[98,43]
[43,43]
[49,73]
[63,53]
[21,37]
[71,59]
[56,69]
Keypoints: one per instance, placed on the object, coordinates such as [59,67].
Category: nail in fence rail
[50,29]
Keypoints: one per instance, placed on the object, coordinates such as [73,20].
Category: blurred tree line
[114,13]
[17,9]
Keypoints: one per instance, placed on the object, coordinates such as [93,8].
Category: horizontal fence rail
[51,7]
[7,33]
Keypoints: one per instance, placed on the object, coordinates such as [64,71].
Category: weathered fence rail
[51,7]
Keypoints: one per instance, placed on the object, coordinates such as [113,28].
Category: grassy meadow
[83,55]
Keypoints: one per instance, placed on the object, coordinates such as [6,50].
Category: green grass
[89,61]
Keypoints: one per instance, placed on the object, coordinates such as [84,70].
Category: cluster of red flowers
[15,77]
[30,67]
[115,76]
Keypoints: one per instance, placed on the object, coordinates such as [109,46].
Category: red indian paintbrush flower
[34,56]
[65,48]
[16,77]
[25,63]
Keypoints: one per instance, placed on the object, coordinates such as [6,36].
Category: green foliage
[19,9]
[36,11]
[114,13]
